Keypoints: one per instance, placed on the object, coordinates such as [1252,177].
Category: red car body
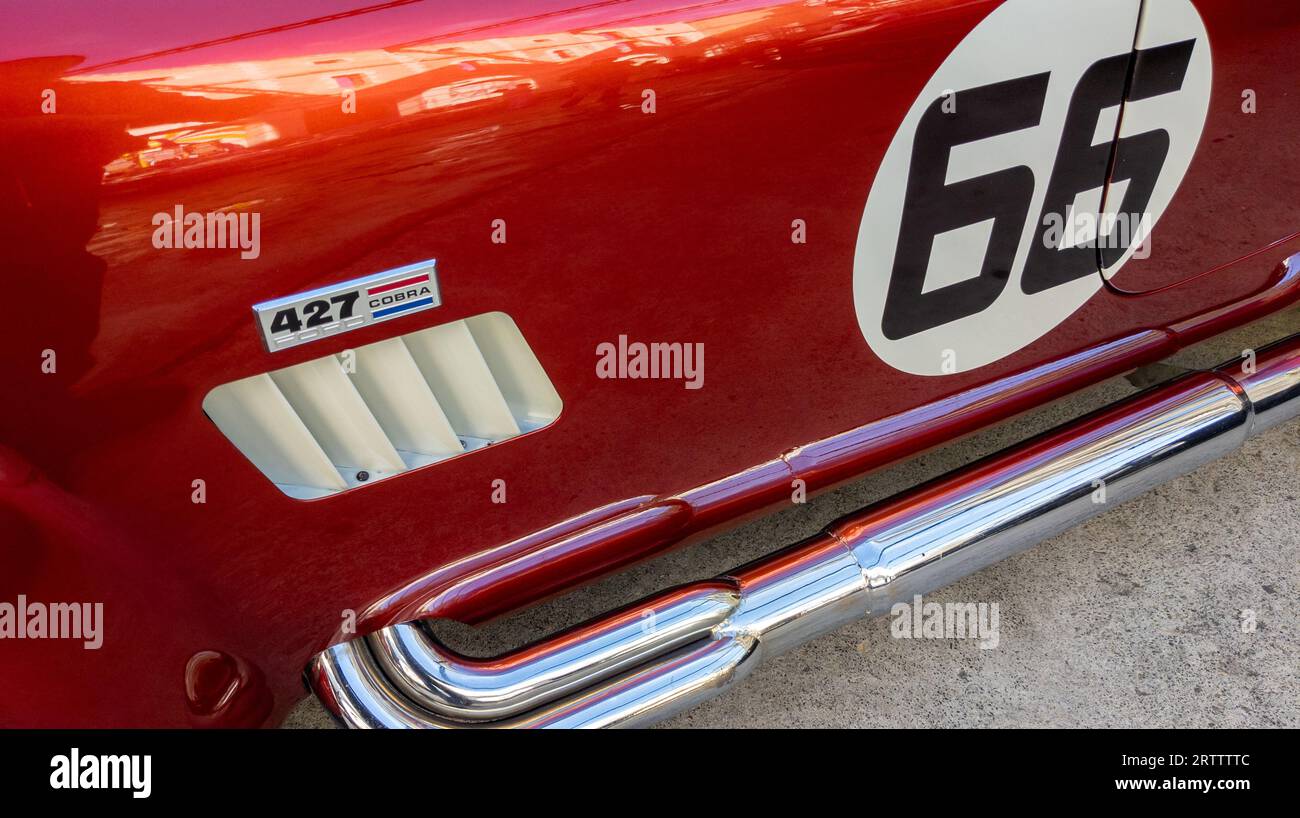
[673,225]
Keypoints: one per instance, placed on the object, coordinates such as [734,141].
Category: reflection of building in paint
[296,97]
[638,60]
[244,135]
[311,75]
[542,48]
[328,74]
[665,35]
[462,92]
[178,142]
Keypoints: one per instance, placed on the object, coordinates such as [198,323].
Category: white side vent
[341,421]
[453,366]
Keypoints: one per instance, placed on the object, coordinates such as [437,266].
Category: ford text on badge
[296,319]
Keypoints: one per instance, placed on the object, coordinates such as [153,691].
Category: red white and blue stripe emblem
[417,282]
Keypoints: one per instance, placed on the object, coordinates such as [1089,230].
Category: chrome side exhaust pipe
[669,652]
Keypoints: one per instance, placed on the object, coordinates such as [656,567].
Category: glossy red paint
[672,226]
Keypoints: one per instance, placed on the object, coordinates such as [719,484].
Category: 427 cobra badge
[966,252]
[304,317]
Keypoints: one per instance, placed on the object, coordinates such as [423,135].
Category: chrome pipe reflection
[468,689]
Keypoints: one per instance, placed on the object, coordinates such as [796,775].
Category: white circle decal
[990,220]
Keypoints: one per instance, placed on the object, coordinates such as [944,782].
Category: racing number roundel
[976,238]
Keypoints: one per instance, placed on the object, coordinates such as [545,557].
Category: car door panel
[1234,197]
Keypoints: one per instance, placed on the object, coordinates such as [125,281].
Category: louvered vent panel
[341,421]
[262,425]
[328,404]
[455,370]
[392,386]
[527,391]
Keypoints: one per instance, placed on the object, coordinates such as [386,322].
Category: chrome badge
[303,317]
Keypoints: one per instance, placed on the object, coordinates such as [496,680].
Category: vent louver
[344,420]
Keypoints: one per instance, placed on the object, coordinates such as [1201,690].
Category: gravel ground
[1134,619]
